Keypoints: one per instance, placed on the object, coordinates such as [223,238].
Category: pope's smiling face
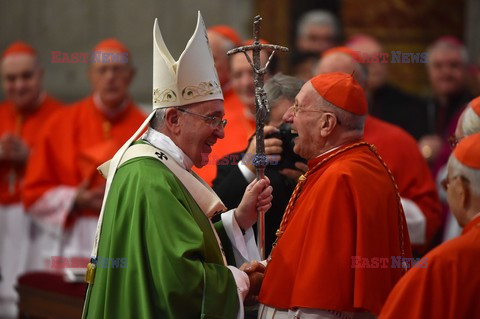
[197,137]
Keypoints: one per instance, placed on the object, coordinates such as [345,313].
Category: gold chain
[401,213]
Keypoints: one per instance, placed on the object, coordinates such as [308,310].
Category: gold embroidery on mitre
[167,95]
[204,88]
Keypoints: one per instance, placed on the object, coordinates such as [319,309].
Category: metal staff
[261,110]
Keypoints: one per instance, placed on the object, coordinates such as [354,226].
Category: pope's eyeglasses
[213,121]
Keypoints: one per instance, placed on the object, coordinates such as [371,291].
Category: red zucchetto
[111,44]
[342,90]
[19,47]
[227,32]
[475,105]
[467,151]
[345,50]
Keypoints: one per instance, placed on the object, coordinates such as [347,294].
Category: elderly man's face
[111,81]
[317,39]
[307,122]
[242,78]
[377,72]
[21,79]
[197,136]
[447,71]
[455,188]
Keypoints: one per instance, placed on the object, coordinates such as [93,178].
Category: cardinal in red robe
[343,241]
[63,189]
[22,117]
[445,283]
[400,151]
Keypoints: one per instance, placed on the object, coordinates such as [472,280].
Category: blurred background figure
[303,64]
[317,31]
[22,117]
[223,38]
[63,190]
[468,124]
[242,79]
[400,151]
[236,170]
[385,100]
[447,72]
[438,286]
[475,73]
[241,125]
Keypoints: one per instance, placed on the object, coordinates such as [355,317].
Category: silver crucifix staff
[261,110]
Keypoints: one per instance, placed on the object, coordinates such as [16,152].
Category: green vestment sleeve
[172,264]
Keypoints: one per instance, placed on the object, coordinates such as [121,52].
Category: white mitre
[191,79]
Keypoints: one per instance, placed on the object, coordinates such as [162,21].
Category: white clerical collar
[163,142]
[329,151]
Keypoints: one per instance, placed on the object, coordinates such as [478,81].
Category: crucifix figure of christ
[261,110]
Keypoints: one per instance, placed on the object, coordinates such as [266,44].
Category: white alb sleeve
[51,210]
[244,245]
[243,285]
[416,221]
[247,174]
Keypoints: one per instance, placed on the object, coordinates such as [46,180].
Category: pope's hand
[253,266]
[257,197]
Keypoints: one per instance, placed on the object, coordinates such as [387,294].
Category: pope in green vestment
[157,254]
[173,264]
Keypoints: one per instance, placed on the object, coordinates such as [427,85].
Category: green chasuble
[172,264]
